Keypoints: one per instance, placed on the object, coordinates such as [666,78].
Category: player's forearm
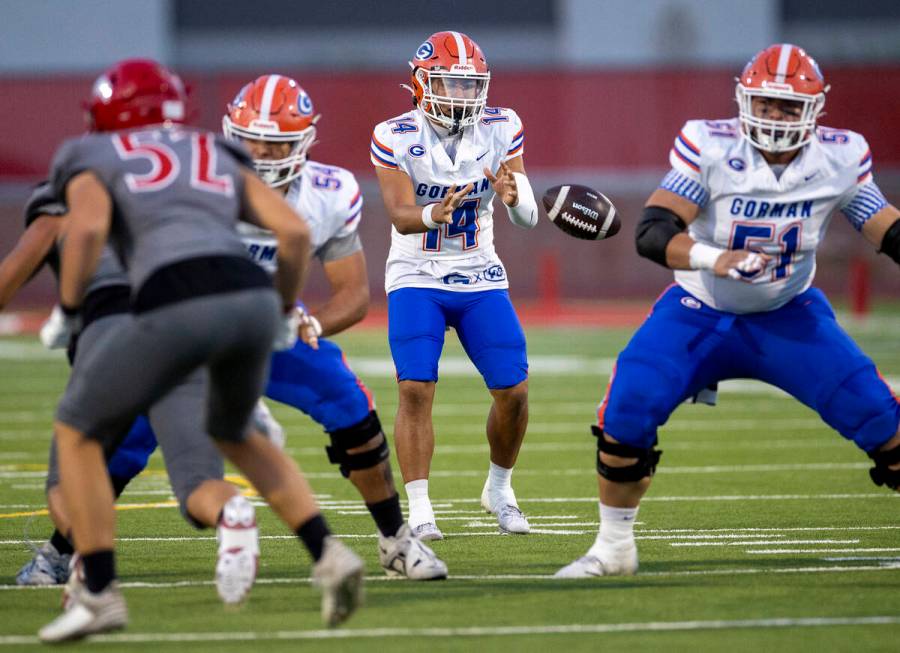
[25,259]
[678,252]
[80,255]
[293,264]
[344,309]
[408,219]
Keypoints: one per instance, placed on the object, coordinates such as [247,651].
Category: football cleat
[509,518]
[427,532]
[47,567]
[238,557]
[88,613]
[612,561]
[339,574]
[404,555]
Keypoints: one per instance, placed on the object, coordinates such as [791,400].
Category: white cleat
[427,532]
[619,561]
[238,558]
[88,613]
[509,518]
[339,574]
[404,555]
[47,567]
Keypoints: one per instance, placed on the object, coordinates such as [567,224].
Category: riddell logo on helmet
[264,125]
[459,68]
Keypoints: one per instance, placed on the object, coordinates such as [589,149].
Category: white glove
[58,329]
[752,264]
[286,336]
[266,424]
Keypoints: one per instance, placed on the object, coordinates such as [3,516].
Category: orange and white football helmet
[450,79]
[784,72]
[276,109]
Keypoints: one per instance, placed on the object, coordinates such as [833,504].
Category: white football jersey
[459,256]
[745,205]
[330,200]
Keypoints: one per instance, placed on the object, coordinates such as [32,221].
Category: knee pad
[881,473]
[356,436]
[645,466]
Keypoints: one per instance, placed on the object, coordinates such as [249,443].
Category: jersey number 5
[464,225]
[746,235]
[165,165]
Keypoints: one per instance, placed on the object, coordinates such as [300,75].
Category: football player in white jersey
[440,166]
[739,218]
[274,118]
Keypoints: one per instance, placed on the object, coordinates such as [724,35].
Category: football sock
[61,543]
[118,484]
[387,515]
[420,511]
[313,534]
[99,569]
[616,527]
[499,486]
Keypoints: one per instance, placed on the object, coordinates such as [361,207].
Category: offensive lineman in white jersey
[439,167]
[274,118]
[756,194]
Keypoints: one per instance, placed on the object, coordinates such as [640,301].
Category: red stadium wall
[587,122]
[613,120]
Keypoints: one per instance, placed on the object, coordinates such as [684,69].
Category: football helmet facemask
[450,80]
[781,72]
[275,109]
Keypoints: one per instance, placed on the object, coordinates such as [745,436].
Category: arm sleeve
[339,247]
[43,202]
[516,129]
[864,199]
[67,163]
[381,150]
[684,156]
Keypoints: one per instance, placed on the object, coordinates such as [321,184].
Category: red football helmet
[135,93]
[784,72]
[276,109]
[450,79]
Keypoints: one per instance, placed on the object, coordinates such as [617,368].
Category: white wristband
[524,213]
[704,257]
[426,217]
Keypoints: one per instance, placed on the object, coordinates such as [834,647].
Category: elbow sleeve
[890,244]
[655,229]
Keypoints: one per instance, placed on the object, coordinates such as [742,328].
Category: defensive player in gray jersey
[194,465]
[274,118]
[168,199]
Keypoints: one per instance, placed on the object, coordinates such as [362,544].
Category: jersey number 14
[464,225]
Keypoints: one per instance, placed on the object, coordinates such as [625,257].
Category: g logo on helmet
[416,150]
[304,104]
[425,51]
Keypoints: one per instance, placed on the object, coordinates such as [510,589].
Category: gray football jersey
[176,193]
[44,202]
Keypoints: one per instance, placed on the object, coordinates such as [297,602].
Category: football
[581,212]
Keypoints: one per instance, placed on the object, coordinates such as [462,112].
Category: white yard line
[763,542]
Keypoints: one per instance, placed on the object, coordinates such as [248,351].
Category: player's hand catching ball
[443,212]
[504,184]
[733,262]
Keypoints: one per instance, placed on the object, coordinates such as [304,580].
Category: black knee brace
[881,473]
[645,466]
[356,436]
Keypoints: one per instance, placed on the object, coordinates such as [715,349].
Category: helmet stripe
[783,58]
[268,93]
[461,47]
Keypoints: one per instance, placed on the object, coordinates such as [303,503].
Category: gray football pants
[137,365]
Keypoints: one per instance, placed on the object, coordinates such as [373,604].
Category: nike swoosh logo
[808,177]
[481,157]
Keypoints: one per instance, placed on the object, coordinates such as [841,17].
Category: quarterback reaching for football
[439,167]
[739,218]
